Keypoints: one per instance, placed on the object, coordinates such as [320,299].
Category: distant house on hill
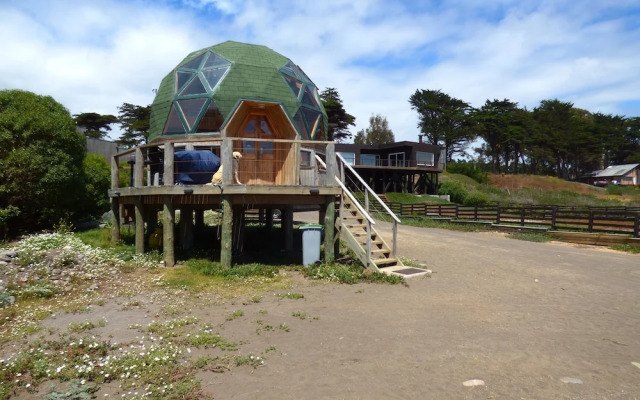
[627,174]
[105,148]
[408,167]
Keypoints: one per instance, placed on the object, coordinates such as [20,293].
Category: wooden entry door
[257,165]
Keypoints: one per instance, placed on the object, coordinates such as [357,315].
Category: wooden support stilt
[226,239]
[186,228]
[199,217]
[115,228]
[139,225]
[167,232]
[151,217]
[287,226]
[329,226]
[269,219]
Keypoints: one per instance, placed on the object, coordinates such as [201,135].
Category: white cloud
[93,56]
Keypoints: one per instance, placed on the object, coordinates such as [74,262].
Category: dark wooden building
[409,167]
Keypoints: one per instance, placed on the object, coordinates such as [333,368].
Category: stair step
[385,261]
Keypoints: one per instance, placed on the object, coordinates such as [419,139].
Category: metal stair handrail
[368,189]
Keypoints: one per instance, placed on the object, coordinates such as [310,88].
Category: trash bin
[311,234]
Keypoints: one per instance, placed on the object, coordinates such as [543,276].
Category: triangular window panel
[303,75]
[195,63]
[311,116]
[182,77]
[191,110]
[215,60]
[195,87]
[265,129]
[174,125]
[250,127]
[213,76]
[320,134]
[299,122]
[212,120]
[291,69]
[293,83]
[308,98]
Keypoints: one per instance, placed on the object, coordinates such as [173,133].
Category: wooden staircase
[355,229]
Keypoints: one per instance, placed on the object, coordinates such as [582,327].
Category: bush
[457,192]
[97,178]
[468,169]
[40,160]
[476,199]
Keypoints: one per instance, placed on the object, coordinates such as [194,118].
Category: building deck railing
[263,162]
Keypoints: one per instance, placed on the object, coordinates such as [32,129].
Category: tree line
[555,138]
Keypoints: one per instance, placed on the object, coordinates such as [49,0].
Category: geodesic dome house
[213,86]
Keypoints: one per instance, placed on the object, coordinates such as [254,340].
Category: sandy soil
[522,317]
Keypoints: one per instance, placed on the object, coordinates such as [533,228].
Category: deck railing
[264,161]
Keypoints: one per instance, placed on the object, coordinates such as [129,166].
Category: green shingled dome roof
[200,94]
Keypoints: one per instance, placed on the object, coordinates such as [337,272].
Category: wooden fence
[623,220]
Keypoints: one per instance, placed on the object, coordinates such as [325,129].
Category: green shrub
[97,177]
[468,169]
[476,199]
[454,189]
[619,190]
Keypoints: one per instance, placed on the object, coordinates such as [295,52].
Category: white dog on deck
[217,177]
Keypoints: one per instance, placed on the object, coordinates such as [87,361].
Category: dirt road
[531,320]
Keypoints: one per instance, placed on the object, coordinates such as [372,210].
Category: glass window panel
[350,158]
[309,99]
[213,76]
[195,87]
[212,120]
[266,147]
[195,63]
[182,77]
[299,122]
[311,116]
[174,125]
[305,158]
[248,147]
[191,109]
[302,74]
[251,126]
[291,69]
[293,83]
[321,135]
[215,60]
[369,159]
[265,129]
[424,158]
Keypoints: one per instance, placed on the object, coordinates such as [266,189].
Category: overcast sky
[94,55]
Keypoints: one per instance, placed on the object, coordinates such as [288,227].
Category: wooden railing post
[331,164]
[138,169]
[226,154]
[498,214]
[167,178]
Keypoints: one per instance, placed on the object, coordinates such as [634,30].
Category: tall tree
[134,121]
[339,119]
[41,156]
[443,120]
[95,125]
[378,131]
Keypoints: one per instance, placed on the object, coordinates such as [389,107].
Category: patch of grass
[531,236]
[38,290]
[284,327]
[234,315]
[79,327]
[294,296]
[299,314]
[628,248]
[101,238]
[254,361]
[207,339]
[172,328]
[349,274]
[76,390]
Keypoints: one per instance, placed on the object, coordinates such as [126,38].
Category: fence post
[522,211]
[498,213]
[636,225]
[475,213]
[439,210]
[590,220]
[456,211]
[554,215]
